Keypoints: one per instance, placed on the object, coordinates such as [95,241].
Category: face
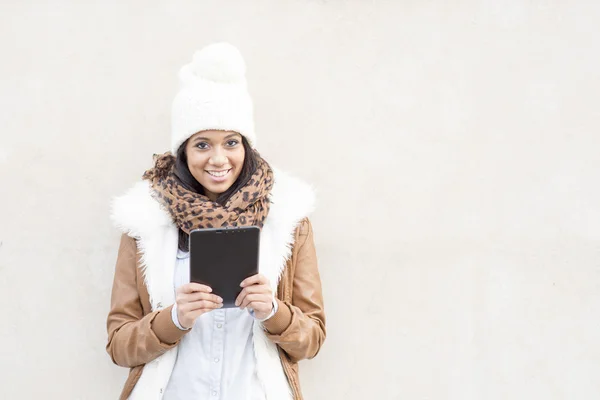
[215,159]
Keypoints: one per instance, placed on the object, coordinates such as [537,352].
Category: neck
[211,196]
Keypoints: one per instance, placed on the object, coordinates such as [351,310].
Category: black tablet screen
[223,258]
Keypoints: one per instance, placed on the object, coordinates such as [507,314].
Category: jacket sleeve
[299,327]
[134,338]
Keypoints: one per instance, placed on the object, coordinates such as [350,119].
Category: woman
[172,334]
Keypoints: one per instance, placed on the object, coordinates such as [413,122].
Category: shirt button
[216,360]
[219,326]
[214,393]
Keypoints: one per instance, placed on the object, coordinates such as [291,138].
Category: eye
[232,142]
[202,145]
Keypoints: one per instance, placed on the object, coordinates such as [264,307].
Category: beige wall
[454,146]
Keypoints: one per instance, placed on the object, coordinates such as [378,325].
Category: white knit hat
[213,95]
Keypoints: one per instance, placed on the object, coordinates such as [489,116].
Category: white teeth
[218,174]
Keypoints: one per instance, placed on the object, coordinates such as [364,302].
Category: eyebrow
[208,140]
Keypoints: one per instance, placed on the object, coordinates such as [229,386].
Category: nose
[218,159]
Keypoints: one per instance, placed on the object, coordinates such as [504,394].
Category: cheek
[196,164]
[238,161]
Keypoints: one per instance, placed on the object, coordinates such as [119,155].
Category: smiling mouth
[218,174]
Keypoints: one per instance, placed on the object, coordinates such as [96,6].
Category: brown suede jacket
[136,335]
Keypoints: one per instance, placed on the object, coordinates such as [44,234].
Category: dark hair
[185,177]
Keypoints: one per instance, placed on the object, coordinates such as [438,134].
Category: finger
[241,297]
[186,308]
[203,305]
[194,287]
[257,289]
[196,296]
[254,298]
[196,313]
[260,307]
[254,289]
[255,279]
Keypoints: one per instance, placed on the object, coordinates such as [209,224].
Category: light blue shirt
[216,358]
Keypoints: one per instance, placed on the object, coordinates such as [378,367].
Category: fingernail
[220,299]
[220,305]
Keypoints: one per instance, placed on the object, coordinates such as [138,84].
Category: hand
[257,294]
[193,300]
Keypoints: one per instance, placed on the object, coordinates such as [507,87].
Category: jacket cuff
[279,322]
[164,328]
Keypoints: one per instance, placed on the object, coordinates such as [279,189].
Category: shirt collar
[182,254]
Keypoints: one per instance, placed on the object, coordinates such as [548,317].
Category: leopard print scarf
[190,210]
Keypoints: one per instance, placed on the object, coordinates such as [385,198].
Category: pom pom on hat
[213,95]
[219,62]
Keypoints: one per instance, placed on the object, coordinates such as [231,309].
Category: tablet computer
[222,258]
